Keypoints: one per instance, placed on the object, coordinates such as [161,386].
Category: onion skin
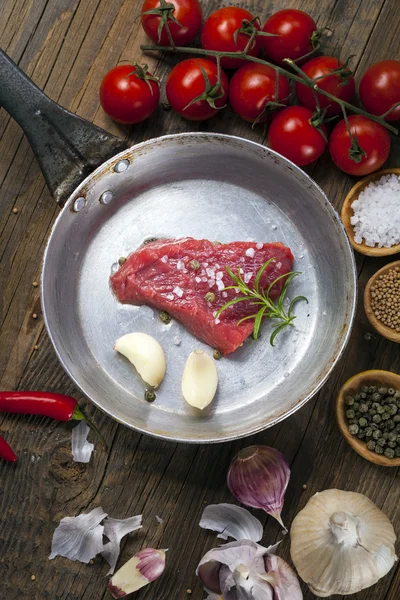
[258,477]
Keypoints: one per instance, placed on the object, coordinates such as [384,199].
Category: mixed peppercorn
[373,416]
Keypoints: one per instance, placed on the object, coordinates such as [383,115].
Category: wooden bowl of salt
[347,212]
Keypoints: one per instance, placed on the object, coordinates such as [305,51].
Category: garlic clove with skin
[341,543]
[146,355]
[143,568]
[200,380]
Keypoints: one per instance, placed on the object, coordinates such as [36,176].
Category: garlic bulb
[341,543]
[146,355]
[200,380]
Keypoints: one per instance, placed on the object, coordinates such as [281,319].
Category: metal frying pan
[202,185]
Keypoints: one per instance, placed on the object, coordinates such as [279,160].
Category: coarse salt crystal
[178,291]
[204,279]
[205,265]
[217,321]
[220,285]
[279,265]
[211,282]
[259,245]
[180,265]
[242,260]
[197,279]
[248,276]
[224,294]
[164,259]
[177,341]
[219,275]
[170,296]
[376,218]
[250,252]
[210,272]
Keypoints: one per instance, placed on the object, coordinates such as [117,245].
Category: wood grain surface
[66,46]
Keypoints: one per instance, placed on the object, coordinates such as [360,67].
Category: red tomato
[188,13]
[251,87]
[218,34]
[187,82]
[380,88]
[295,34]
[341,86]
[292,135]
[372,138]
[129,94]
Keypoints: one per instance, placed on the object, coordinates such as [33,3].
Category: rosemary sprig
[261,298]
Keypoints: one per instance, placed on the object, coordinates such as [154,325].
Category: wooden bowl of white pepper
[368,416]
[382,301]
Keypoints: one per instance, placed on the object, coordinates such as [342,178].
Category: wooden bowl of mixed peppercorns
[368,416]
[382,301]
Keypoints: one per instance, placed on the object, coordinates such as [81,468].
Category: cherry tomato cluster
[197,88]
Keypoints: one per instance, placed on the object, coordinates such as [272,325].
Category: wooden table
[66,46]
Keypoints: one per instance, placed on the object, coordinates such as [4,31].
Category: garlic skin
[341,543]
[146,355]
[143,568]
[200,380]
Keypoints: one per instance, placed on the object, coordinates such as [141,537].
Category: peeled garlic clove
[341,543]
[143,568]
[146,355]
[200,379]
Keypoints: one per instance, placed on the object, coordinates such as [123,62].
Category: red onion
[258,477]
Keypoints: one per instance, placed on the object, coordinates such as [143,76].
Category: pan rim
[345,336]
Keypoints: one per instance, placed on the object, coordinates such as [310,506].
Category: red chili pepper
[47,404]
[6,452]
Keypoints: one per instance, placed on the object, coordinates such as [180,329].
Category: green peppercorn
[392,444]
[377,434]
[372,412]
[397,451]
[368,432]
[396,418]
[372,389]
[363,408]
[385,435]
[398,427]
[353,421]
[362,422]
[381,442]
[386,416]
[371,445]
[391,392]
[364,389]
[377,418]
[375,398]
[398,439]
[389,453]
[349,400]
[356,405]
[361,434]
[149,395]
[374,426]
[217,354]
[194,264]
[378,449]
[392,409]
[383,391]
[165,317]
[397,395]
[353,429]
[210,297]
[390,425]
[380,410]
[357,397]
[363,395]
[121,261]
[392,437]
[350,413]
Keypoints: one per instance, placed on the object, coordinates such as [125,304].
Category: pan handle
[67,147]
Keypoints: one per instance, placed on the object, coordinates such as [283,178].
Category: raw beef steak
[176,276]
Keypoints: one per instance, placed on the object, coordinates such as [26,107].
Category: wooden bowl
[347,213]
[387,332]
[352,386]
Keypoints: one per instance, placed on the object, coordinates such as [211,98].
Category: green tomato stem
[300,78]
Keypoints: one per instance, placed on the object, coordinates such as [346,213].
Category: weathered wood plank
[67,47]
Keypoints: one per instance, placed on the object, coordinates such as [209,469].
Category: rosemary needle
[261,298]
